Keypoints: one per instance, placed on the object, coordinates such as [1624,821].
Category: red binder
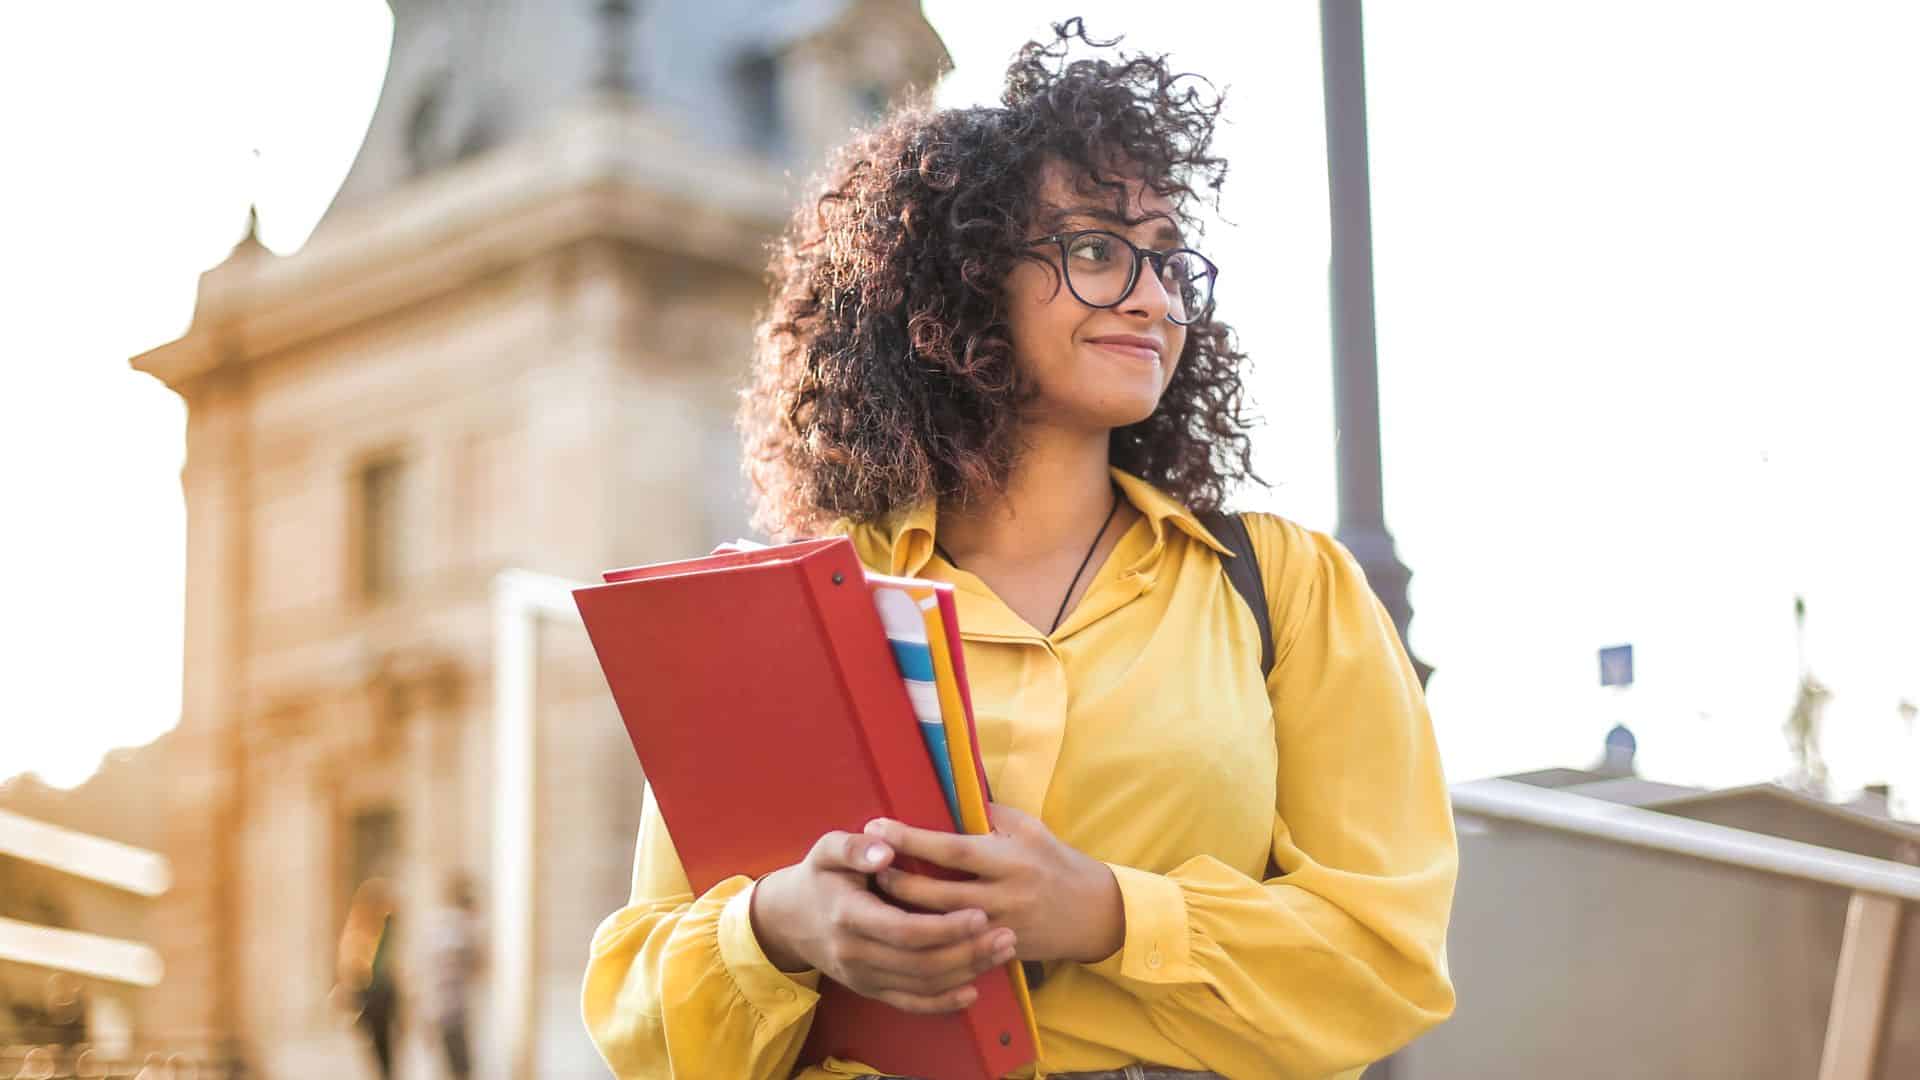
[764,703]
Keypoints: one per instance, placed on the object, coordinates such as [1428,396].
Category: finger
[951,1001]
[972,854]
[869,917]
[851,852]
[1008,819]
[934,894]
[873,966]
[931,971]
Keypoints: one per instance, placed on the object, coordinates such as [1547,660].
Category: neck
[1058,495]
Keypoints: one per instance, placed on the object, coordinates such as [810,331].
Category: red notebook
[766,708]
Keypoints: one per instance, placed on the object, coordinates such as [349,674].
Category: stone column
[193,923]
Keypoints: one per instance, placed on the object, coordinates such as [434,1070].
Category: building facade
[513,343]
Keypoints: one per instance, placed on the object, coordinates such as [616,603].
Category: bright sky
[1646,286]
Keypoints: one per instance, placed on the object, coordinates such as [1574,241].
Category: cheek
[1177,346]
[1041,319]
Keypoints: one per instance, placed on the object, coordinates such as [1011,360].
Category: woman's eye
[1092,249]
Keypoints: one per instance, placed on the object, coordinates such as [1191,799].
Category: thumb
[852,852]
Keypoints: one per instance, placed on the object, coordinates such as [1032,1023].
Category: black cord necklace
[1071,585]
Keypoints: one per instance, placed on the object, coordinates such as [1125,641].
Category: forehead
[1062,188]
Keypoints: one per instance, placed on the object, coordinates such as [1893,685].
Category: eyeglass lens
[1101,267]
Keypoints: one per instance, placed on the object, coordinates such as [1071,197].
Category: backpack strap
[1244,571]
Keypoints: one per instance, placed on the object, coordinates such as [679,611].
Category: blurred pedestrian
[453,958]
[367,979]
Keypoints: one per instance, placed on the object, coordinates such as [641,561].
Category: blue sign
[1616,666]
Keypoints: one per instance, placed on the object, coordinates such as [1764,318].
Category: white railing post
[1860,985]
[520,599]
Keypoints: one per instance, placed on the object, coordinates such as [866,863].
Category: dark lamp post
[1356,379]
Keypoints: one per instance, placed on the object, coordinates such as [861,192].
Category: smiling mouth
[1133,352]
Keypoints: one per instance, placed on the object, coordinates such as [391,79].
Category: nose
[1148,298]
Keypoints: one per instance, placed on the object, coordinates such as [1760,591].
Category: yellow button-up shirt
[1284,845]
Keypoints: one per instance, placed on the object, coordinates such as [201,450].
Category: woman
[364,964]
[993,360]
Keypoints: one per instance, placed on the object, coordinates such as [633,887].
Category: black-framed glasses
[1102,268]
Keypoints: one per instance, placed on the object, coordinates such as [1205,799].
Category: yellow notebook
[937,606]
[959,725]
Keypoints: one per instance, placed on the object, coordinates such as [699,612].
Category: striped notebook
[910,612]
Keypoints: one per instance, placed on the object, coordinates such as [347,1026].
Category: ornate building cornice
[606,171]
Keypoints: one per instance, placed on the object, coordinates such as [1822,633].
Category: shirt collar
[903,542]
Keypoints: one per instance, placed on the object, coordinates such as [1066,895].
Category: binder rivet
[838,577]
[1006,1039]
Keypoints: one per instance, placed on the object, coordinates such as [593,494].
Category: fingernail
[977,920]
[875,826]
[967,995]
[1003,940]
[874,854]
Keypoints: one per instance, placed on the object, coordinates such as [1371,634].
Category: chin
[1117,403]
[1126,414]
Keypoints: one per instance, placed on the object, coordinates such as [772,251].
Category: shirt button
[1153,959]
[786,994]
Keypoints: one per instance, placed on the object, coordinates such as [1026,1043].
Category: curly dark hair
[884,372]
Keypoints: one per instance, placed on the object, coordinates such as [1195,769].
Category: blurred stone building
[513,343]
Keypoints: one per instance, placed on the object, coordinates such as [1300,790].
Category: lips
[1130,345]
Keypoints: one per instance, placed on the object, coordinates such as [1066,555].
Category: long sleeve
[677,985]
[1341,958]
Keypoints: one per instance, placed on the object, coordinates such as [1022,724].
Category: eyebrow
[1167,235]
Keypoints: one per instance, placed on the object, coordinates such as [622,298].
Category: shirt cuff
[1157,945]
[783,997]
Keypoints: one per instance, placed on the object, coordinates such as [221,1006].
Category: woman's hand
[1062,904]
[819,913]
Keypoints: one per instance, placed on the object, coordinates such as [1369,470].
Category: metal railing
[1507,800]
[1880,888]
[74,953]
[91,858]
